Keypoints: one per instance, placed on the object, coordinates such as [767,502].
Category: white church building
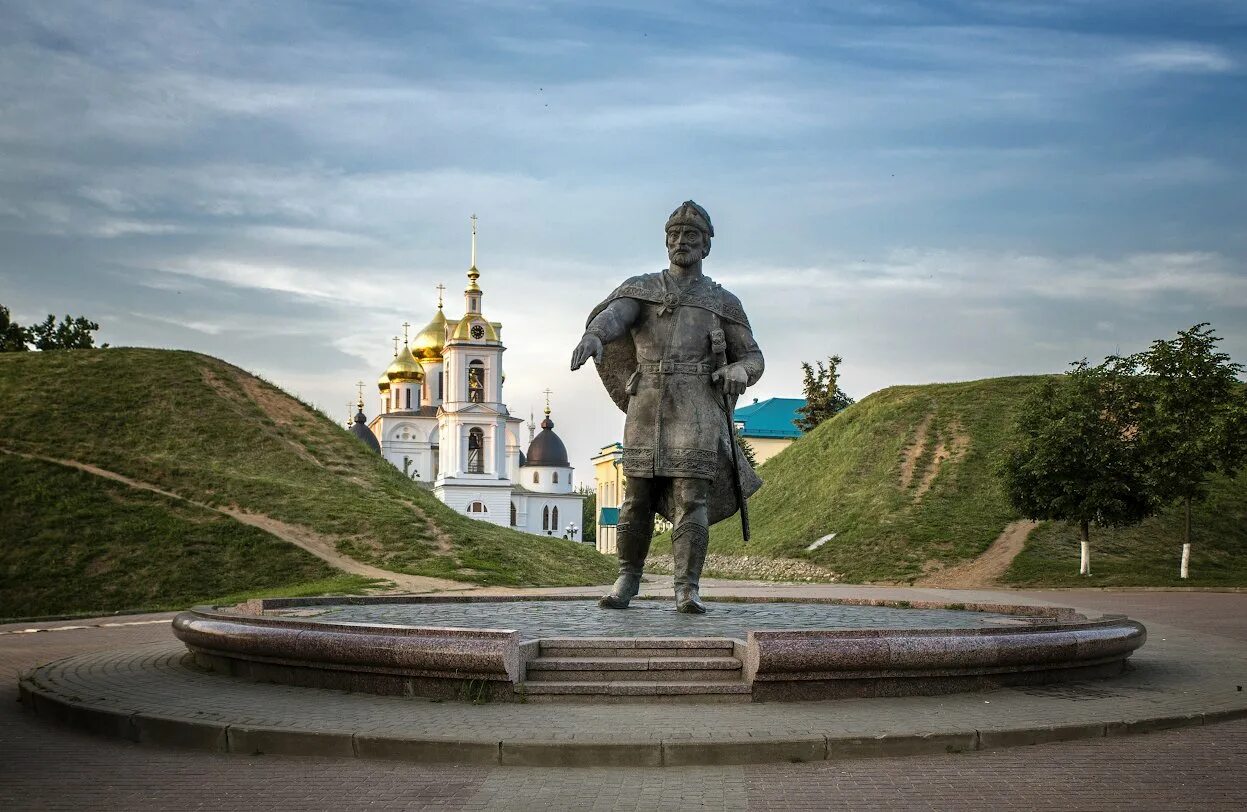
[443,421]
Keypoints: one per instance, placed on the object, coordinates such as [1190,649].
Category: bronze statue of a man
[674,350]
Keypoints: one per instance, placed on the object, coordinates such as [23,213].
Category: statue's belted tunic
[659,374]
[670,346]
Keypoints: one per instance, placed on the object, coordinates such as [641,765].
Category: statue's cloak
[619,363]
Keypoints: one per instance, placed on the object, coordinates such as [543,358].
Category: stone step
[636,647]
[632,669]
[575,651]
[640,691]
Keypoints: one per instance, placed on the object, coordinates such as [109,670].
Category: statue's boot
[632,545]
[689,543]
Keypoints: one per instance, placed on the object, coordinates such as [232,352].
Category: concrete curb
[219,736]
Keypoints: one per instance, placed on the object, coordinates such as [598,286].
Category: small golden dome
[405,367]
[428,344]
[463,331]
[383,383]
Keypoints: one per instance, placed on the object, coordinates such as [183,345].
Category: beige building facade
[610,483]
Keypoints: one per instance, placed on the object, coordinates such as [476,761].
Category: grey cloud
[933,202]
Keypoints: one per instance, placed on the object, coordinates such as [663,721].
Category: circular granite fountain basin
[524,649]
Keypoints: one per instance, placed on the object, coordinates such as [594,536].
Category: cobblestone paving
[48,767]
[649,618]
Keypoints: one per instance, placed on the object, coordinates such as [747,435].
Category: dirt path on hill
[988,567]
[318,545]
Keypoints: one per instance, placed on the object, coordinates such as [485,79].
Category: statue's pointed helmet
[689,213]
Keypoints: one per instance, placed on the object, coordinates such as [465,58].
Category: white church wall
[434,385]
[541,478]
[404,443]
[513,448]
[569,512]
[496,501]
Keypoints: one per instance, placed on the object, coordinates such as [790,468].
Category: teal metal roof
[770,418]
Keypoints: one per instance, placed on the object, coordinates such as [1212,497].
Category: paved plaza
[47,766]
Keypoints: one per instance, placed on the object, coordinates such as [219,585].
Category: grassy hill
[108,547]
[207,431]
[907,481]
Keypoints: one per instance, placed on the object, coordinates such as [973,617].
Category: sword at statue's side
[718,345]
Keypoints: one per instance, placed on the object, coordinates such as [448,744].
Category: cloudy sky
[936,191]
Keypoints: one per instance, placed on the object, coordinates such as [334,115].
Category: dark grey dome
[523,459]
[360,429]
[546,448]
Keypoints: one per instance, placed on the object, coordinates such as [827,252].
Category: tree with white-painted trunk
[1077,457]
[1194,419]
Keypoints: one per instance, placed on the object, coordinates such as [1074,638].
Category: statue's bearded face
[686,245]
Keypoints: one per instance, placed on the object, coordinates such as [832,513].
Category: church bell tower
[472,421]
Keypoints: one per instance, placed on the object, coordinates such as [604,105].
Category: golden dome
[383,383]
[463,331]
[405,367]
[428,344]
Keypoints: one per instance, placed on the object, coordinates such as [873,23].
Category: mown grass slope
[208,431]
[108,547]
[908,481]
[905,479]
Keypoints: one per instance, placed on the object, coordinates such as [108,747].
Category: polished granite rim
[1044,645]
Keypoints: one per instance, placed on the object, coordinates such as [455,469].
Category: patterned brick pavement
[47,767]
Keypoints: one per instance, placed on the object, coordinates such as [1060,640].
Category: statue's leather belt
[674,368]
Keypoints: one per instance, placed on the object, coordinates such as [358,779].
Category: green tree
[71,333]
[1077,457]
[13,337]
[588,514]
[1194,418]
[823,396]
[745,448]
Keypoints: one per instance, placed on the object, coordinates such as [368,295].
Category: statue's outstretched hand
[589,347]
[734,379]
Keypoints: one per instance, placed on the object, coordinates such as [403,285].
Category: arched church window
[545,518]
[409,398]
[554,518]
[477,507]
[476,451]
[476,382]
[556,477]
[513,514]
[536,478]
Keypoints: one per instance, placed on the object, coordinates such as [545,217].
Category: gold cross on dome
[406,325]
[395,346]
[360,386]
[547,393]
[440,290]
